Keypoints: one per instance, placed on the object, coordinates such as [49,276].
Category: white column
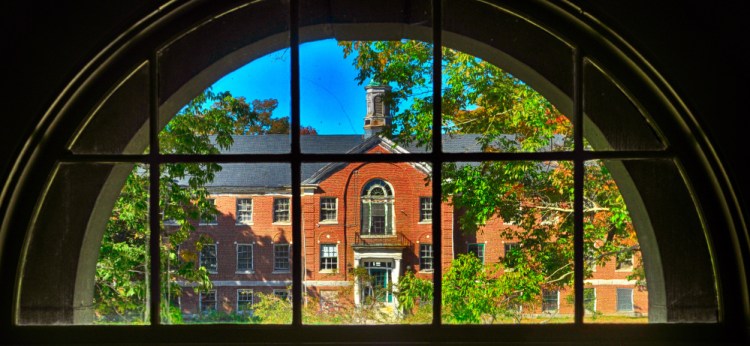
[395,275]
[357,293]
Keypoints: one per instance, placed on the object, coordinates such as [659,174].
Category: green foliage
[204,126]
[271,309]
[413,293]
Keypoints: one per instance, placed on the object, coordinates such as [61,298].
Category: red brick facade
[345,183]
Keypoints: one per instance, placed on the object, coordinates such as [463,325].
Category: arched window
[58,198]
[377,208]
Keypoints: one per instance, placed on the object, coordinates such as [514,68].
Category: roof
[278,175]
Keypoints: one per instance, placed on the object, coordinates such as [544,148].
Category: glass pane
[109,202]
[227,238]
[512,242]
[612,121]
[355,89]
[122,115]
[633,205]
[486,109]
[247,108]
[614,263]
[368,252]
[507,89]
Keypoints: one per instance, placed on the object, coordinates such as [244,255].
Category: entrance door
[380,279]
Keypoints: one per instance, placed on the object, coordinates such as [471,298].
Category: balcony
[397,240]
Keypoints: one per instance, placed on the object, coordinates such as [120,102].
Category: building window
[244,211]
[244,258]
[281,293]
[512,255]
[377,208]
[208,258]
[550,300]
[624,299]
[477,249]
[244,301]
[281,210]
[329,257]
[425,209]
[589,299]
[209,219]
[624,263]
[207,301]
[281,257]
[425,257]
[328,210]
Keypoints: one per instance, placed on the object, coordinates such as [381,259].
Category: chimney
[378,113]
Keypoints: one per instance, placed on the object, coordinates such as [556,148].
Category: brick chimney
[378,113]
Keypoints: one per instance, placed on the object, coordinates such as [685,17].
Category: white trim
[237,211]
[323,283]
[216,256]
[335,219]
[238,283]
[610,282]
[617,299]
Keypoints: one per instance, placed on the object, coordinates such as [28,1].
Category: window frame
[329,221]
[201,304]
[212,222]
[215,258]
[245,311]
[546,299]
[237,247]
[332,263]
[424,259]
[423,209]
[280,208]
[239,211]
[481,247]
[368,200]
[631,302]
[276,258]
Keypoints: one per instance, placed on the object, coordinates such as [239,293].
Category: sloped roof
[277,175]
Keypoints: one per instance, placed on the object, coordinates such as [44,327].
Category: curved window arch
[30,305]
[377,208]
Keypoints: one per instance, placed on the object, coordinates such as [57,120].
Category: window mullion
[437,149]
[153,211]
[296,164]
[578,183]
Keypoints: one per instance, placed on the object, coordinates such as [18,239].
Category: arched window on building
[377,208]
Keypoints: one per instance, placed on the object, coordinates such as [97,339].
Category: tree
[203,126]
[506,115]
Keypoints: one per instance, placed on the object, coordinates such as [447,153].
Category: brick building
[372,215]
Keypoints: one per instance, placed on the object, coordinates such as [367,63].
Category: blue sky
[331,100]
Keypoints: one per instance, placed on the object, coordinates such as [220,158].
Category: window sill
[245,272]
[427,271]
[208,224]
[326,223]
[282,223]
[428,222]
[244,223]
[328,271]
[629,270]
[281,272]
[376,236]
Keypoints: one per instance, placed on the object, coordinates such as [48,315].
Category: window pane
[239,254]
[376,265]
[512,240]
[613,253]
[109,202]
[494,102]
[250,96]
